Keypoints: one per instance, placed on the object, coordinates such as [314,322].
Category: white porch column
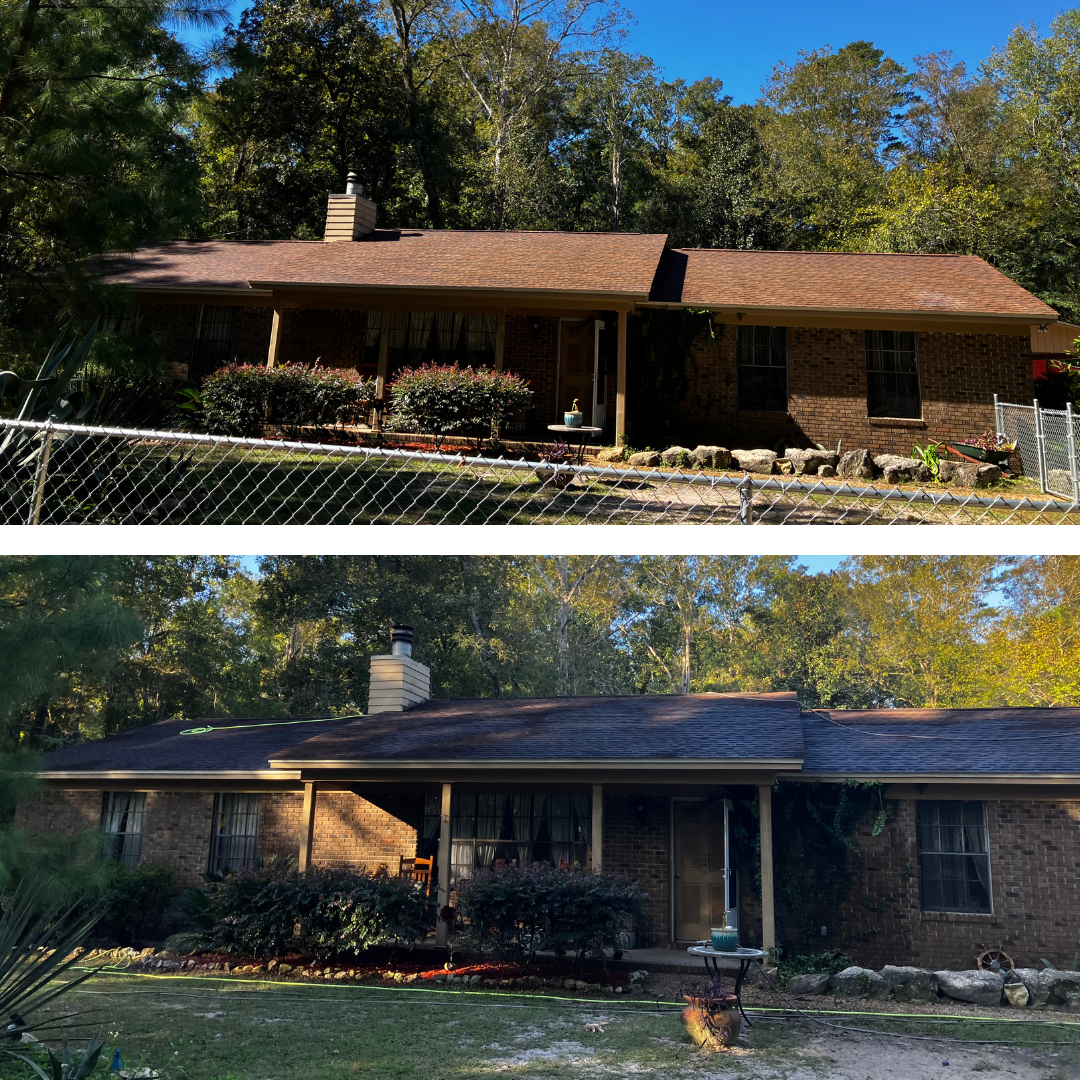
[275,338]
[597,828]
[307,826]
[442,929]
[768,917]
[620,379]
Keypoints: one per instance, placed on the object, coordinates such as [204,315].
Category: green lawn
[189,1029]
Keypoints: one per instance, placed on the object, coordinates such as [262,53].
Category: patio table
[745,958]
[585,432]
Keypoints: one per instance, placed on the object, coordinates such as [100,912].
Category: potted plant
[574,416]
[551,473]
[711,1019]
[989,447]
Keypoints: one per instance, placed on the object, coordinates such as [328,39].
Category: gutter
[578,765]
[936,778]
[854,313]
[173,774]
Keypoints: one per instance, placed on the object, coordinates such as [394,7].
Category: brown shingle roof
[843,282]
[606,263]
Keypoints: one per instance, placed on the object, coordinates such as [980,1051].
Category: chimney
[397,680]
[349,216]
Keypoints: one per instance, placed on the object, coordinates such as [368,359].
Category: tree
[92,152]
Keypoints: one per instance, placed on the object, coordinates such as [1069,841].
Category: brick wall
[350,831]
[62,813]
[959,375]
[1035,880]
[533,354]
[637,844]
[334,338]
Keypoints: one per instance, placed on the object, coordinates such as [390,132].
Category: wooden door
[576,362]
[701,897]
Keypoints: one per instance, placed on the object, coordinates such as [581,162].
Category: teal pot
[725,938]
[572,419]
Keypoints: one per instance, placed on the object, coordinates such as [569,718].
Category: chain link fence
[1047,441]
[61,474]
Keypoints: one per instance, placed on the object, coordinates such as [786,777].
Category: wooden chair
[417,869]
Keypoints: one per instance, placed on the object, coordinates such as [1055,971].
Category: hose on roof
[932,738]
[273,723]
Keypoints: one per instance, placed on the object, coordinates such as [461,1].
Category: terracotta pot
[712,1031]
[558,480]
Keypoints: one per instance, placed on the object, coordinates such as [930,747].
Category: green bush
[824,963]
[520,910]
[266,912]
[135,899]
[443,399]
[243,398]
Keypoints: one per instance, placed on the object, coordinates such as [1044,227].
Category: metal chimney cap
[401,640]
[354,184]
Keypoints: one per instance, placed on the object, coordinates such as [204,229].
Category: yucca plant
[63,1066]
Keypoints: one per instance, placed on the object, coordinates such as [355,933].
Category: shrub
[135,900]
[241,398]
[519,910]
[826,963]
[264,912]
[444,399]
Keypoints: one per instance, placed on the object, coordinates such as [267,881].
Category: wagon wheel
[988,956]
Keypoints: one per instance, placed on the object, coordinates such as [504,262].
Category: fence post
[1073,468]
[746,501]
[42,472]
[999,427]
[1040,447]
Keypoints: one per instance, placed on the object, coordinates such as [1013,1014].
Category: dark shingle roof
[942,741]
[661,727]
[162,748]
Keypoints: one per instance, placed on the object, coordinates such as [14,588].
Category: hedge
[519,910]
[443,399]
[268,911]
[242,399]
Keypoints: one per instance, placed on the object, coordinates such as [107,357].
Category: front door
[701,892]
[576,363]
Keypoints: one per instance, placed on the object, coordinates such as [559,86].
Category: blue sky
[740,43]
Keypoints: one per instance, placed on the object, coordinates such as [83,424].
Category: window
[954,858]
[235,840]
[213,347]
[486,828]
[122,815]
[124,322]
[418,337]
[762,352]
[892,374]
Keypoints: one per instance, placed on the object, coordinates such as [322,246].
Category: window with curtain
[892,374]
[213,347]
[234,843]
[954,856]
[124,322]
[122,814]
[444,338]
[762,359]
[372,333]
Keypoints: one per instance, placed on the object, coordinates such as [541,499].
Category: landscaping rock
[857,465]
[634,988]
[807,462]
[711,457]
[755,461]
[638,976]
[611,453]
[272,965]
[535,980]
[784,467]
[1063,986]
[987,475]
[1016,993]
[910,983]
[1030,978]
[284,969]
[958,473]
[800,985]
[645,460]
[901,470]
[676,455]
[859,982]
[826,470]
[975,987]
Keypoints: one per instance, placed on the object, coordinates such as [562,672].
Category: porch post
[768,917]
[597,828]
[384,364]
[442,929]
[620,383]
[275,338]
[500,339]
[307,826]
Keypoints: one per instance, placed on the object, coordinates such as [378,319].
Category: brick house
[877,350]
[980,846]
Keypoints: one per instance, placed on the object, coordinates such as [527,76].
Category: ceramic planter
[572,419]
[725,938]
[714,1029]
[557,479]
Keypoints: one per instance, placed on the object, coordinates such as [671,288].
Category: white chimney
[397,680]
[349,216]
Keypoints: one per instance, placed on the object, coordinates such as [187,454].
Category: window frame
[219,863]
[123,845]
[963,855]
[874,347]
[753,348]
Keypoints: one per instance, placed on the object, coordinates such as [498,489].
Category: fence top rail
[794,485]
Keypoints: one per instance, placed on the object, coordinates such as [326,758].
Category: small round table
[586,433]
[745,958]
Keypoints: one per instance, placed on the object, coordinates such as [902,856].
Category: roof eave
[938,777]
[170,774]
[599,295]
[574,765]
[1026,317]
